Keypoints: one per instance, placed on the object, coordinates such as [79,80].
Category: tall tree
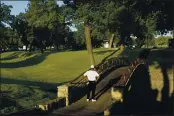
[44,17]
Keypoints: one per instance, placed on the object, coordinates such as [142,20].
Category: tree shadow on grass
[165,60]
[33,60]
[104,51]
[139,97]
[28,62]
[11,56]
[42,85]
[5,100]
[81,75]
[35,92]
[8,105]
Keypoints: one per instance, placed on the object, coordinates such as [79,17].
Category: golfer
[92,76]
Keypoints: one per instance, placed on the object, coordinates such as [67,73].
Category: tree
[83,15]
[45,17]
[5,33]
[20,26]
[5,16]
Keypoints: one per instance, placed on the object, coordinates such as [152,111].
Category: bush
[149,43]
[162,41]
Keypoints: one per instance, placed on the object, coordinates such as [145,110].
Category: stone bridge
[109,89]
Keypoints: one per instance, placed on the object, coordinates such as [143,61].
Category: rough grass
[29,78]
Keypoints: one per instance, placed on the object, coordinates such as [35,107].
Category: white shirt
[91,75]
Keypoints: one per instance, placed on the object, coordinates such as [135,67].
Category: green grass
[52,67]
[29,78]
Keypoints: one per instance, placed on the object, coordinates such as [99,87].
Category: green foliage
[17,97]
[79,37]
[45,23]
[149,43]
[52,24]
[162,41]
[43,14]
[5,13]
[120,17]
[9,38]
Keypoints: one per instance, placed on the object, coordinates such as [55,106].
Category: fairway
[51,67]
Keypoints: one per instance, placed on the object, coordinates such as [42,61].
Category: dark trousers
[91,87]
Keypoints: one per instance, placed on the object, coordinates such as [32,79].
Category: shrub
[162,41]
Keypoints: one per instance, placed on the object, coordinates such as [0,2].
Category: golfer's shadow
[107,87]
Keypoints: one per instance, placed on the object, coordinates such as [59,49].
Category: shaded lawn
[140,98]
[15,97]
[160,63]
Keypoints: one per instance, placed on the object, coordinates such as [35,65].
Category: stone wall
[52,104]
[63,92]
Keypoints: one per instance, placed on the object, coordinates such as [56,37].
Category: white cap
[92,66]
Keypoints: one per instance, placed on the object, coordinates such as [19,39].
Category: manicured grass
[52,67]
[29,78]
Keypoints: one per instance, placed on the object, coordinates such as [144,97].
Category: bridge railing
[128,73]
[101,69]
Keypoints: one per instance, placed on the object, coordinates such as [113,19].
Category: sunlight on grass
[57,67]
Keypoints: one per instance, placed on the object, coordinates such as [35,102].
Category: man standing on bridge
[92,76]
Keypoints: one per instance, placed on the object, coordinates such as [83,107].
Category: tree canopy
[45,23]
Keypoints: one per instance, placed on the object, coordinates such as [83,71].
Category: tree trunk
[111,40]
[57,46]
[41,47]
[26,47]
[51,34]
[89,45]
[30,48]
[34,47]
[42,51]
